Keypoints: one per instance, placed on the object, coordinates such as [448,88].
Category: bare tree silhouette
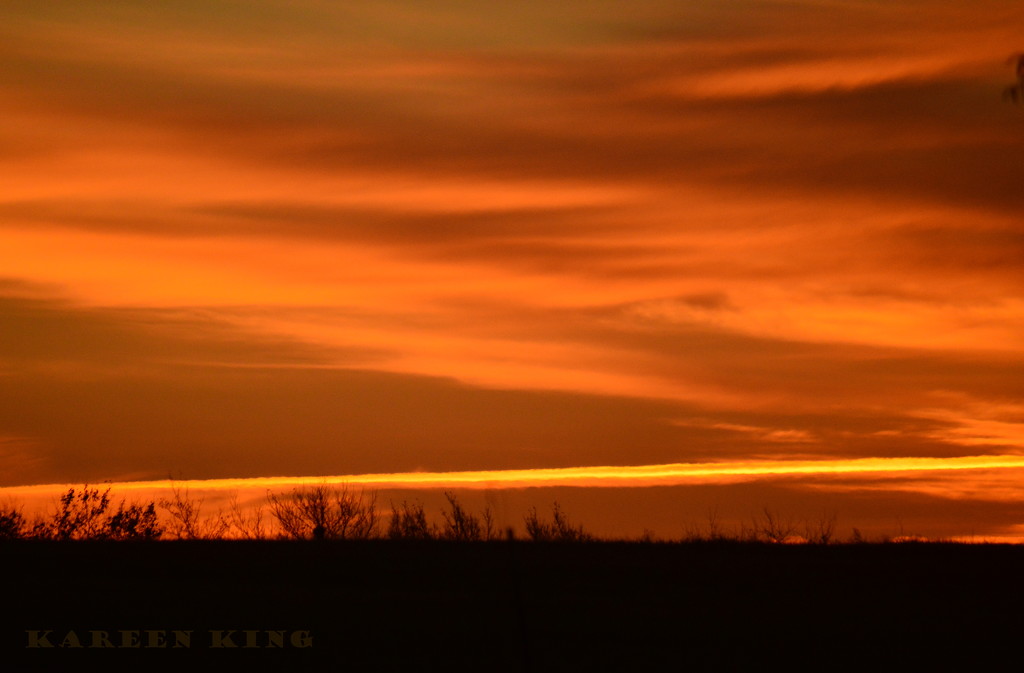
[324,513]
[823,530]
[773,527]
[245,525]
[559,530]
[409,522]
[186,523]
[460,524]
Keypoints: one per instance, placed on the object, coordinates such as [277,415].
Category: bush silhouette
[460,524]
[134,523]
[245,525]
[773,527]
[12,523]
[558,530]
[186,523]
[83,515]
[409,522]
[323,513]
[821,531]
[80,515]
[331,513]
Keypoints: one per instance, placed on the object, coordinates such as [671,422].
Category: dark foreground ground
[517,606]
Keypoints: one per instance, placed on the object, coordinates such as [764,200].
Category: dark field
[500,606]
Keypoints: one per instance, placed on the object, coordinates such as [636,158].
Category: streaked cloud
[636,475]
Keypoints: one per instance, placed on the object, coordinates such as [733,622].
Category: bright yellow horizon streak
[596,476]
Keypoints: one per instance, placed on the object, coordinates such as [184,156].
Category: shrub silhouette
[186,523]
[134,523]
[712,531]
[12,523]
[329,513]
[245,525]
[773,527]
[559,530]
[80,516]
[323,513]
[461,525]
[356,515]
[83,515]
[821,531]
[409,522]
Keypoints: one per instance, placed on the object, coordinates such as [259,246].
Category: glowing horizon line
[594,476]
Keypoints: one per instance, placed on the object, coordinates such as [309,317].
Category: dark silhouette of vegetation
[500,606]
[459,524]
[557,530]
[245,524]
[134,522]
[712,532]
[324,513]
[821,531]
[186,523]
[12,523]
[86,514]
[409,522]
[80,515]
[768,527]
[773,527]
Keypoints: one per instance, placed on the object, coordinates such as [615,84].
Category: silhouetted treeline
[324,512]
[85,514]
[304,513]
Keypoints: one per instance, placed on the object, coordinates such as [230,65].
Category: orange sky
[306,238]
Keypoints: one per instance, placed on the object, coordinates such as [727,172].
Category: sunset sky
[782,240]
